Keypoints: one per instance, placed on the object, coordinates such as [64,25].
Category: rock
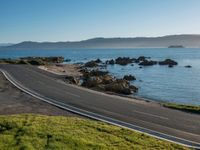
[188,66]
[107,79]
[141,58]
[92,82]
[98,61]
[71,80]
[67,60]
[133,88]
[120,86]
[168,62]
[148,63]
[110,62]
[170,66]
[97,72]
[22,62]
[35,62]
[123,60]
[91,64]
[129,77]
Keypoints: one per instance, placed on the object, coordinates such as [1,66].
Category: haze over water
[177,84]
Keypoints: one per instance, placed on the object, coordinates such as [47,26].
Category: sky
[75,20]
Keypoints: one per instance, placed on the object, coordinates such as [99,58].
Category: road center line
[152,115]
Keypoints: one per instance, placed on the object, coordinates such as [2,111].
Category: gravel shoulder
[13,101]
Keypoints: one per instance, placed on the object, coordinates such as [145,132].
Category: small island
[176,46]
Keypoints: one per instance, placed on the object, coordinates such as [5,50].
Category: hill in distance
[185,40]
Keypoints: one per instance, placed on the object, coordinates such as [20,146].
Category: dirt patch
[63,69]
[13,101]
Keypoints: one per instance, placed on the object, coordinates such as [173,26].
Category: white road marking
[152,115]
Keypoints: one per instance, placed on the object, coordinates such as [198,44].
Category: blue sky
[70,20]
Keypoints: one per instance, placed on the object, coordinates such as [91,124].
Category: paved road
[158,121]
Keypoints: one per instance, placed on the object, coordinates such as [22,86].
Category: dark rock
[188,66]
[22,62]
[67,60]
[107,79]
[148,63]
[168,62]
[91,64]
[170,66]
[71,80]
[92,82]
[110,62]
[120,86]
[98,73]
[35,62]
[87,73]
[98,61]
[142,58]
[133,88]
[129,77]
[124,60]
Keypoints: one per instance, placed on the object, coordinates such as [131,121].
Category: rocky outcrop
[188,66]
[98,61]
[92,82]
[168,62]
[124,61]
[148,63]
[91,64]
[101,80]
[110,62]
[129,77]
[121,86]
[72,80]
[34,60]
[96,72]
[107,79]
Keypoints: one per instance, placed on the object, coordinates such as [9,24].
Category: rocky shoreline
[93,74]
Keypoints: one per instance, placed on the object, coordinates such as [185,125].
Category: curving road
[150,118]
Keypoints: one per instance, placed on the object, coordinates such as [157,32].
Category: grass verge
[187,108]
[27,132]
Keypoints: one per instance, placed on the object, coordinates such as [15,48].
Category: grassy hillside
[27,132]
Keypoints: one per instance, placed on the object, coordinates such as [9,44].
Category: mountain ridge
[186,40]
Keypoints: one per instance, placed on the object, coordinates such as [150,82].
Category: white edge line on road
[96,118]
[152,115]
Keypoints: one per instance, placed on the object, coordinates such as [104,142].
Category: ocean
[159,83]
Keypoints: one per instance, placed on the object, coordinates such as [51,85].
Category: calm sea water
[160,83]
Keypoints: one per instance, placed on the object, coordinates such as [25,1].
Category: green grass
[187,108]
[27,132]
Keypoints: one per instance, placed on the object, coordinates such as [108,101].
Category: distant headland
[170,41]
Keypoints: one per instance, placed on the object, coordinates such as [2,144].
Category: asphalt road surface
[169,124]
